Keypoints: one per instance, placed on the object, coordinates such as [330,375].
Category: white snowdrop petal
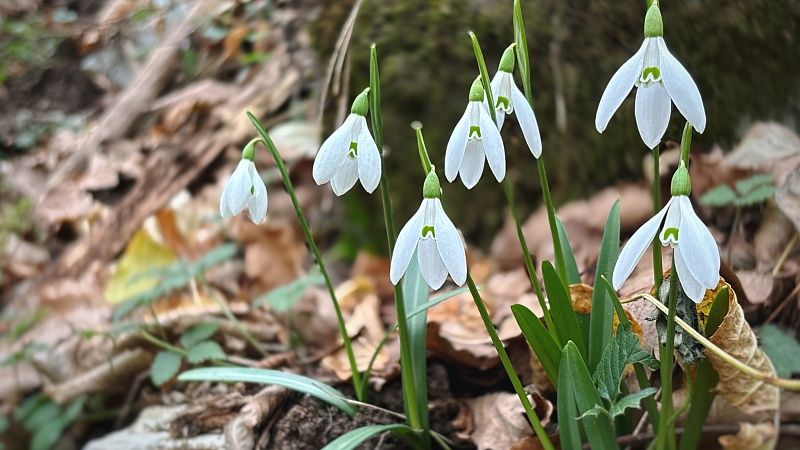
[456,146]
[431,265]
[472,163]
[618,88]
[369,161]
[636,246]
[527,121]
[693,288]
[239,187]
[681,88]
[224,208]
[257,204]
[347,176]
[450,246]
[698,246]
[406,244]
[333,152]
[493,146]
[496,82]
[652,109]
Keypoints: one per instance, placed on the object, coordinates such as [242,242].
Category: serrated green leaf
[599,430]
[630,401]
[573,276]
[540,340]
[718,196]
[623,349]
[564,317]
[204,351]
[354,438]
[165,366]
[601,320]
[198,333]
[756,181]
[782,348]
[758,195]
[314,388]
[283,298]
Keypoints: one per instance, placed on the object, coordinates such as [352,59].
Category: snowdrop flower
[475,139]
[509,99]
[660,80]
[694,249]
[350,153]
[434,237]
[245,189]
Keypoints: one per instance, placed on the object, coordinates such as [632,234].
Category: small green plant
[196,347]
[46,420]
[748,192]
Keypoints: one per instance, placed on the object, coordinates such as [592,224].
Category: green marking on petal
[670,234]
[474,130]
[651,74]
[353,151]
[503,103]
[428,231]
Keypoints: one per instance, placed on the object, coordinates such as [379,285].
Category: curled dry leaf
[500,423]
[763,436]
[735,336]
[242,431]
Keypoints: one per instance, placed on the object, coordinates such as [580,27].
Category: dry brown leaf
[757,285]
[500,422]
[735,336]
[787,198]
[242,431]
[763,436]
[763,144]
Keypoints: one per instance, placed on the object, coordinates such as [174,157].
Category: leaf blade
[165,365]
[601,321]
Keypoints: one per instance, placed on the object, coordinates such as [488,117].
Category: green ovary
[428,231]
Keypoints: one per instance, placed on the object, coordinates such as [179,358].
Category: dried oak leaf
[735,336]
[500,423]
[763,436]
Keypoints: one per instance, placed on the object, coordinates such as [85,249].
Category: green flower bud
[681,182]
[432,188]
[507,60]
[653,25]
[361,103]
[476,91]
[249,151]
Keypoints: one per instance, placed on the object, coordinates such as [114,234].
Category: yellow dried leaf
[751,437]
[735,337]
[136,271]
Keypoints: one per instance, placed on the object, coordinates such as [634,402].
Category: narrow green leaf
[702,395]
[354,438]
[601,320]
[314,388]
[546,349]
[521,50]
[205,351]
[623,349]
[573,276]
[165,366]
[564,317]
[719,309]
[599,430]
[415,292]
[569,431]
[375,97]
[198,333]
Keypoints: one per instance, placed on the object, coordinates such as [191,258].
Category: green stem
[348,345]
[526,255]
[686,143]
[551,218]
[411,404]
[667,359]
[506,361]
[658,270]
[162,344]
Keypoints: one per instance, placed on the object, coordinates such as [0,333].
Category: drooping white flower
[694,249]
[475,139]
[660,80]
[245,189]
[509,99]
[350,153]
[436,240]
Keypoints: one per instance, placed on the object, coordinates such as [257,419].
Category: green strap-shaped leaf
[314,388]
[569,431]
[599,430]
[546,349]
[415,292]
[601,320]
[573,276]
[564,317]
[354,438]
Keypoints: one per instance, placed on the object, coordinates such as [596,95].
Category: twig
[783,304]
[784,255]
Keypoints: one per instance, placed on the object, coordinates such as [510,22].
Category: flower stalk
[667,361]
[348,346]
